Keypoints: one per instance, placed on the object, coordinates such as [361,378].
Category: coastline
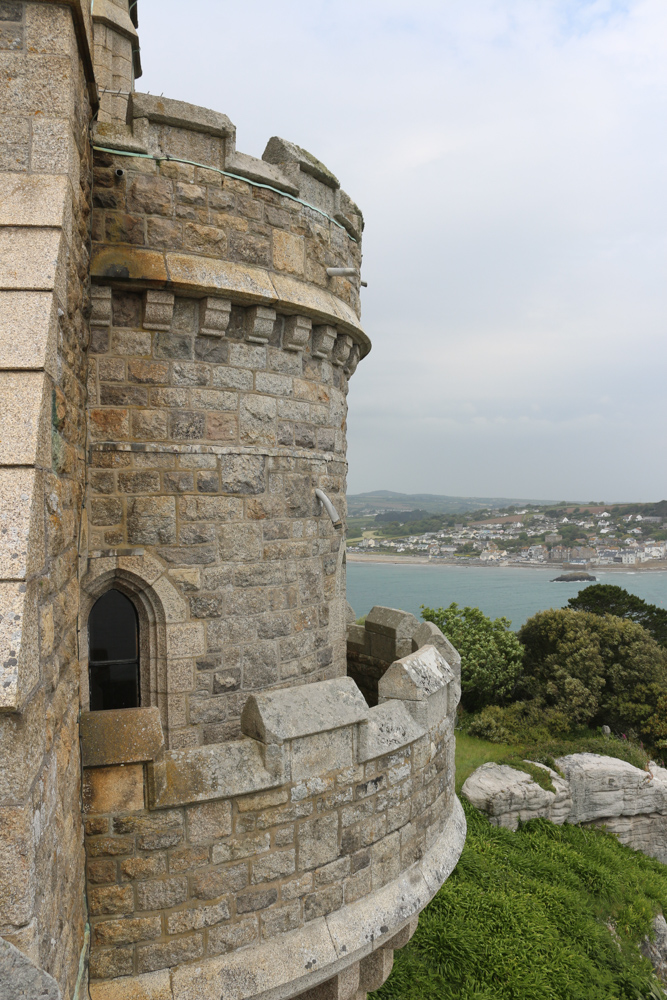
[652,567]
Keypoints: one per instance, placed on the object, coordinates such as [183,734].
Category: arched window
[113,664]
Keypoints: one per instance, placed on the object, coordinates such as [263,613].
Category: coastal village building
[212,782]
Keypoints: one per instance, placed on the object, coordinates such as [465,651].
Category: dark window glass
[113,641]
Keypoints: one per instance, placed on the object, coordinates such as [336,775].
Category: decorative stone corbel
[214,316]
[341,349]
[350,366]
[259,324]
[158,310]
[101,306]
[324,338]
[297,332]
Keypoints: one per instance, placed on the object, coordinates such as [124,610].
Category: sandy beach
[658,565]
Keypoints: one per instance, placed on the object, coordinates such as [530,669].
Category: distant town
[567,535]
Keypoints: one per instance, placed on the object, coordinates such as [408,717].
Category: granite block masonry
[174,369]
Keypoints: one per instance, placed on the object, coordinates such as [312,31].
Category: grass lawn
[546,913]
[471,753]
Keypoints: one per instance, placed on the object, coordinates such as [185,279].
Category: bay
[513,592]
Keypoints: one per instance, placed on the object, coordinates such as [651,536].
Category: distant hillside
[380,500]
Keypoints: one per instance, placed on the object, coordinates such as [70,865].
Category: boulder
[591,789]
[507,795]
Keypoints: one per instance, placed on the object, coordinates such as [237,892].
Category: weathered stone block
[17,865]
[387,728]
[20,978]
[161,894]
[114,789]
[273,866]
[317,841]
[125,736]
[420,680]
[111,899]
[151,957]
[341,349]
[238,935]
[152,986]
[374,970]
[112,932]
[318,904]
[196,919]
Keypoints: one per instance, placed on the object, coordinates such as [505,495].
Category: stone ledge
[114,17]
[245,284]
[260,171]
[179,114]
[285,966]
[125,736]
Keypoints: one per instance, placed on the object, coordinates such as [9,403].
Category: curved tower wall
[217,378]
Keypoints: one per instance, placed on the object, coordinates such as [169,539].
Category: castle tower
[179,323]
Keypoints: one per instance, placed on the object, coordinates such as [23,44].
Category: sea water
[513,592]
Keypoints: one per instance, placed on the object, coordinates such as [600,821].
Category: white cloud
[509,156]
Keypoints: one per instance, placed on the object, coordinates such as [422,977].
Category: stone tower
[196,799]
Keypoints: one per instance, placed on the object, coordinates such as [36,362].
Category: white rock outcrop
[591,789]
[508,795]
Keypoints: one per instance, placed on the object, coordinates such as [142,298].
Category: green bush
[605,599]
[546,913]
[596,670]
[491,654]
[524,721]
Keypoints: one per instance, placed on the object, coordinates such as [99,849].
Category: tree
[596,669]
[491,654]
[605,599]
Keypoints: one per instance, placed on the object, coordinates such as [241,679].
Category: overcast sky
[510,160]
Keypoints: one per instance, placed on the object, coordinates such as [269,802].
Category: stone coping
[245,284]
[179,114]
[301,959]
[271,718]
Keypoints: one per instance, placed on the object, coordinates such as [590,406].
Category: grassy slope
[524,916]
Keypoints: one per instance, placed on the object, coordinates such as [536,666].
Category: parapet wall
[280,860]
[386,635]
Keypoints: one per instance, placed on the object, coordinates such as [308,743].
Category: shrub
[595,670]
[605,599]
[491,654]
[522,722]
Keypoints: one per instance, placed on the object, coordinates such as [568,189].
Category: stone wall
[328,827]
[45,111]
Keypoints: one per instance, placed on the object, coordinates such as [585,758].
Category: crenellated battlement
[327,818]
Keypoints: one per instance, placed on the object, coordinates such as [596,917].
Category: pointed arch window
[113,663]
